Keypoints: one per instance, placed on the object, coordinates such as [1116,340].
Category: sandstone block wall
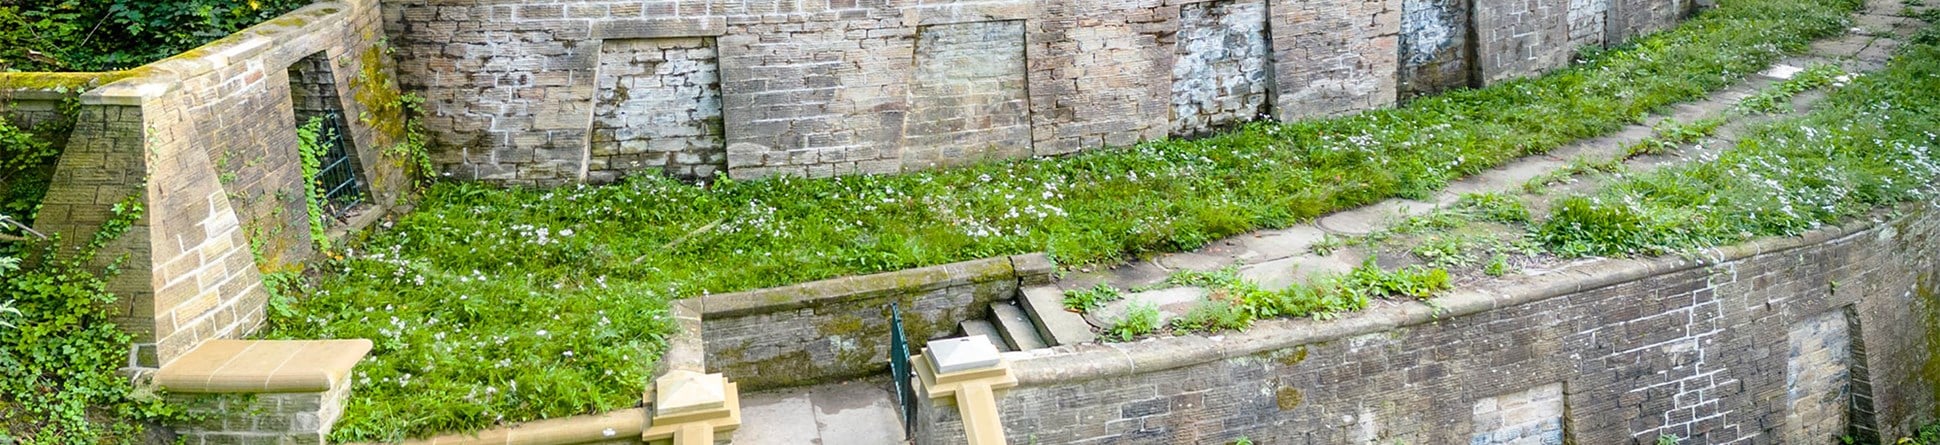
[1448,44]
[206,143]
[968,98]
[659,107]
[271,418]
[1435,51]
[1760,343]
[547,93]
[839,329]
[1223,73]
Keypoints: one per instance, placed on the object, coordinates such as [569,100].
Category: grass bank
[1868,145]
[496,305]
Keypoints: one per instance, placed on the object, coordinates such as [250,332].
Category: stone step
[984,328]
[1016,327]
[1045,307]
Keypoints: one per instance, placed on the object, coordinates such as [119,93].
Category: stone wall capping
[1147,356]
[1033,268]
[685,350]
[856,287]
[562,431]
[248,47]
[131,92]
[968,12]
[263,366]
[659,27]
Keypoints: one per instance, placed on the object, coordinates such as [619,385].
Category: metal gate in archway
[338,176]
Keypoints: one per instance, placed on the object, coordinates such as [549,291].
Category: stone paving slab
[849,413]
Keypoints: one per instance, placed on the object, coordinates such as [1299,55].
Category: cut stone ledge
[263,366]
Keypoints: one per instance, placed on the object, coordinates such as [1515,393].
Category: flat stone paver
[848,413]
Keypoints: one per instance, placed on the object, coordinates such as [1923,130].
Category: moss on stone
[377,93]
[70,82]
[1929,302]
[1290,357]
[1287,397]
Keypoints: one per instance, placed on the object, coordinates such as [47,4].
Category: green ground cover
[494,305]
[1870,144]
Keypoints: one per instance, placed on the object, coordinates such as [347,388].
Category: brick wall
[838,329]
[1744,344]
[967,99]
[1223,73]
[1434,46]
[659,107]
[207,141]
[1818,373]
[522,93]
[1630,18]
[1521,38]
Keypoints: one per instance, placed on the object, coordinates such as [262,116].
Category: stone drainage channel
[864,412]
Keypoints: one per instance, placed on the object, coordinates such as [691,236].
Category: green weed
[1214,316]
[1869,144]
[1142,319]
[1084,300]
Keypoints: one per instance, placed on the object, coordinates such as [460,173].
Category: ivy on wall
[60,350]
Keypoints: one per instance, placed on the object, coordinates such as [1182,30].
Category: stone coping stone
[263,366]
[600,428]
[1086,362]
[1057,326]
[1024,268]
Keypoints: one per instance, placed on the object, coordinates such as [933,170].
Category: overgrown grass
[1869,144]
[480,287]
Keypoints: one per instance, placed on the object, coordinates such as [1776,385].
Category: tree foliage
[108,35]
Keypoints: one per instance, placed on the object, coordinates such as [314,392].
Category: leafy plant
[1141,319]
[60,355]
[1214,316]
[108,35]
[1084,300]
[310,151]
[1773,99]
[414,150]
[1412,281]
[1866,145]
[26,162]
[7,312]
[1493,207]
[1498,266]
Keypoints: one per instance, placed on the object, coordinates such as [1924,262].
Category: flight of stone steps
[1036,319]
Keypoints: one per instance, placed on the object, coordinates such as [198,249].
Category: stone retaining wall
[1765,342]
[836,329]
[551,92]
[206,143]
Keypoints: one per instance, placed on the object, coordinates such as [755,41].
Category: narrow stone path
[859,412]
[1278,258]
